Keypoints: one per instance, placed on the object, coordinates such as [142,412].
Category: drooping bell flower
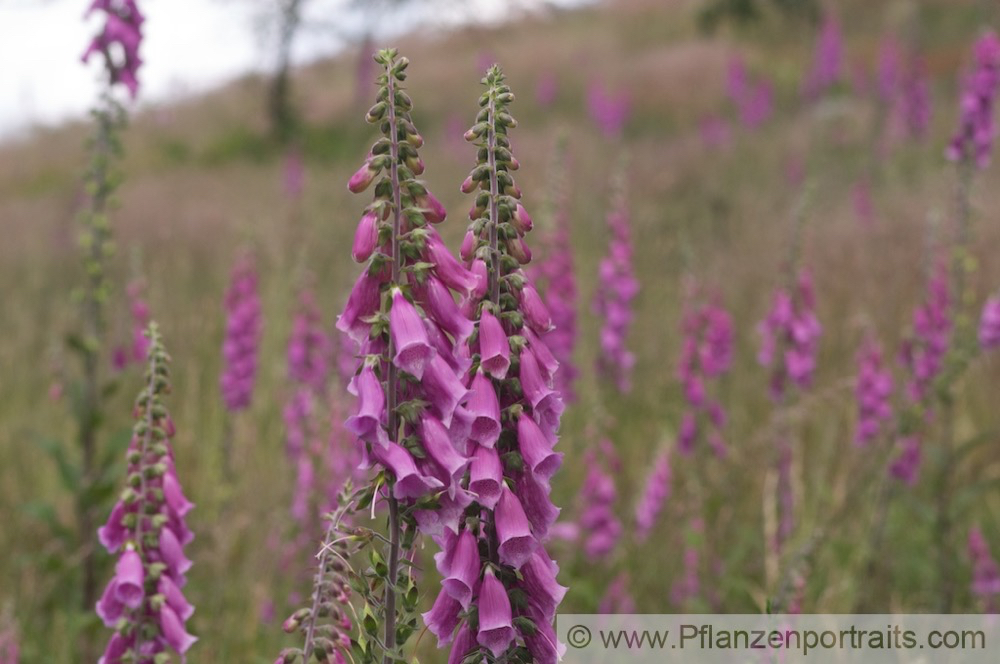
[494,348]
[789,337]
[598,518]
[906,466]
[463,569]
[485,409]
[368,423]
[365,237]
[361,304]
[536,449]
[409,338]
[706,353]
[439,448]
[496,627]
[516,543]
[409,481]
[486,476]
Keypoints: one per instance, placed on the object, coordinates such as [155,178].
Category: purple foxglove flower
[438,523]
[534,496]
[536,449]
[873,389]
[434,211]
[116,649]
[482,276]
[129,577]
[174,597]
[243,333]
[655,495]
[173,553]
[496,627]
[789,337]
[174,495]
[465,642]
[112,534]
[536,315]
[486,476]
[513,530]
[118,42]
[362,178]
[989,324]
[446,266]
[366,237]
[441,307]
[985,572]
[437,443]
[545,402]
[410,482]
[547,362]
[109,607]
[413,350]
[309,351]
[543,645]
[173,630]
[361,304]
[468,246]
[974,138]
[443,389]
[494,349]
[463,573]
[538,581]
[442,619]
[485,409]
[366,424]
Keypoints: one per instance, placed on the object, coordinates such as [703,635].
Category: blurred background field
[205,179]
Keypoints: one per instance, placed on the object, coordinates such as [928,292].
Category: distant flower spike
[118,41]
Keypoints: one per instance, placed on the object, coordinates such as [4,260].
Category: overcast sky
[189,45]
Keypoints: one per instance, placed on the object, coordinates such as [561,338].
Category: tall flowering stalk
[616,289]
[244,326]
[117,45]
[973,140]
[403,315]
[554,277]
[654,496]
[873,392]
[143,603]
[598,520]
[499,590]
[610,111]
[706,353]
[789,344]
[827,61]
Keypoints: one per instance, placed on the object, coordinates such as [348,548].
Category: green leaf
[69,474]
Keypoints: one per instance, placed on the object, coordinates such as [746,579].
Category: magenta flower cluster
[143,602]
[974,138]
[609,110]
[790,337]
[873,391]
[242,336]
[555,279]
[989,324]
[754,100]
[654,496]
[985,571]
[706,353]
[617,287]
[118,41]
[923,352]
[598,520]
[827,62]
